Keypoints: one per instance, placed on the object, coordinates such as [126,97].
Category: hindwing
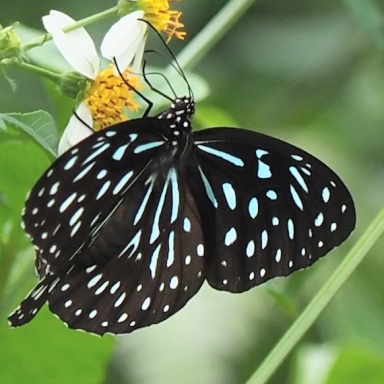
[267,207]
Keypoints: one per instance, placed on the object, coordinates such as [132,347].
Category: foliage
[310,73]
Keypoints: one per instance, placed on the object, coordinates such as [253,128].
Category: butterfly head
[178,116]
[184,106]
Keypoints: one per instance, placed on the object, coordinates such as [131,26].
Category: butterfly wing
[267,207]
[157,266]
[58,216]
[131,268]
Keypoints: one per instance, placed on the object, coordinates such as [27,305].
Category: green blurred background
[308,72]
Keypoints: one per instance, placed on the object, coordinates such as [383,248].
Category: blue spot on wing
[223,155]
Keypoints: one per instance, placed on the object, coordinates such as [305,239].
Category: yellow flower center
[109,95]
[165,20]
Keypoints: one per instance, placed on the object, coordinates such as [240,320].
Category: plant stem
[78,24]
[212,33]
[53,76]
[369,15]
[319,302]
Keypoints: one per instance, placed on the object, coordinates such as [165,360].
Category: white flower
[76,130]
[123,45]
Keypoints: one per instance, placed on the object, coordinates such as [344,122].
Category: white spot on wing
[67,202]
[264,239]
[102,288]
[84,171]
[263,169]
[174,282]
[223,155]
[146,304]
[326,194]
[160,205]
[122,183]
[296,174]
[141,209]
[69,164]
[319,219]
[187,225]
[230,237]
[96,153]
[122,318]
[119,153]
[54,188]
[75,229]
[115,287]
[208,188]
[171,249]
[76,216]
[175,194]
[120,300]
[94,280]
[103,189]
[291,229]
[154,258]
[250,250]
[253,207]
[230,195]
[92,314]
[65,287]
[278,255]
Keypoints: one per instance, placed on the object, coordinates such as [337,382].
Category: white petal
[76,46]
[76,130]
[137,62]
[124,40]
[57,19]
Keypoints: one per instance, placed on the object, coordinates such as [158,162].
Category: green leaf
[63,106]
[357,364]
[45,351]
[11,82]
[39,125]
[282,300]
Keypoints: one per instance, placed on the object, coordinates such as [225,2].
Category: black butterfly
[130,222]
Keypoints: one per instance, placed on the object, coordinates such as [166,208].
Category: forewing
[152,247]
[268,208]
[79,193]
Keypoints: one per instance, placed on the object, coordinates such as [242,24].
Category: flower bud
[73,84]
[124,7]
[10,45]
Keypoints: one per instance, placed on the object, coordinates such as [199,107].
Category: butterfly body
[130,222]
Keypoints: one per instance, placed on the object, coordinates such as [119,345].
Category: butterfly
[129,223]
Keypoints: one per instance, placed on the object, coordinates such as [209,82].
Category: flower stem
[319,302]
[53,76]
[78,24]
[212,33]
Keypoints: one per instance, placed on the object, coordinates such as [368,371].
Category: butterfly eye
[130,222]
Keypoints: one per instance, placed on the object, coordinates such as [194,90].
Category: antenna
[176,65]
[149,102]
[145,75]
[82,121]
